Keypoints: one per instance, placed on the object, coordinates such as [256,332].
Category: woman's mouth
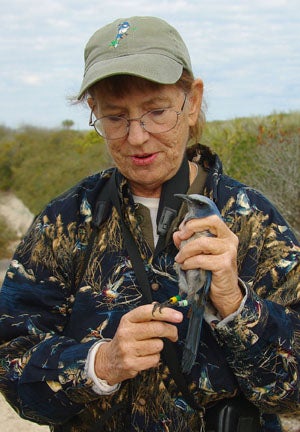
[143,159]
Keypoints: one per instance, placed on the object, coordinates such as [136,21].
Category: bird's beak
[183,197]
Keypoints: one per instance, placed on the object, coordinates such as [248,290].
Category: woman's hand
[137,343]
[217,254]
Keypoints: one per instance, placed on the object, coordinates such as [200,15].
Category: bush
[38,164]
[263,152]
[277,174]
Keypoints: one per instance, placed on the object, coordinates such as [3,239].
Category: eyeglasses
[155,122]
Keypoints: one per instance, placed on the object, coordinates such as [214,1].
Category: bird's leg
[171,302]
[160,306]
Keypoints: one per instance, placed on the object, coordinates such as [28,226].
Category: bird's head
[199,206]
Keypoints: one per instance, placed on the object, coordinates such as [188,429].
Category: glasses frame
[139,119]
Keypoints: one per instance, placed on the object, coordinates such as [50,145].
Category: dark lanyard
[109,194]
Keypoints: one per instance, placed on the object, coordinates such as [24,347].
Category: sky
[246,52]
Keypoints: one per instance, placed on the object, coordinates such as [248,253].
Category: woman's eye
[158,112]
[114,119]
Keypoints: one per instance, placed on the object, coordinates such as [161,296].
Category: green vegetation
[238,142]
[263,152]
[38,164]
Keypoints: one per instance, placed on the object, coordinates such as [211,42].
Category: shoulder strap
[134,254]
[169,205]
[169,351]
[105,199]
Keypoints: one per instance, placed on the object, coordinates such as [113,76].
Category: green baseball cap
[146,47]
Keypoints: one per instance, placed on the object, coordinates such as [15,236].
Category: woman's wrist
[233,302]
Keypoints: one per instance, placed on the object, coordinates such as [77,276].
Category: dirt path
[17,216]
[11,422]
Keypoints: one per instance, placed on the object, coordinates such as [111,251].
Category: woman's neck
[156,192]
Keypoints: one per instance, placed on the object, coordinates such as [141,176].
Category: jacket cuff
[242,330]
[100,386]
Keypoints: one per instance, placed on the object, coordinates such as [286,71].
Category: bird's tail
[194,329]
[192,339]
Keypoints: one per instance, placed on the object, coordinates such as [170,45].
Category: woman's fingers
[137,343]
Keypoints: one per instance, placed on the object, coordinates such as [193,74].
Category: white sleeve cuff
[100,386]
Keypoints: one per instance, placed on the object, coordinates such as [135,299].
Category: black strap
[169,351]
[108,195]
[137,263]
[179,183]
[169,205]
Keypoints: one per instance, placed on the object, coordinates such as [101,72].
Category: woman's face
[145,159]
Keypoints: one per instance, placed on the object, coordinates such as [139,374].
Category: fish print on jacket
[48,323]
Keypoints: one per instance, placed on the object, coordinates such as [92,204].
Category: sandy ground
[11,422]
[20,218]
[16,214]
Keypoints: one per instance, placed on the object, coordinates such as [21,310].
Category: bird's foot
[160,306]
[173,301]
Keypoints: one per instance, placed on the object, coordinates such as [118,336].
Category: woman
[81,348]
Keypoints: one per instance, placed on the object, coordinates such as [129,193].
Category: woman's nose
[137,134]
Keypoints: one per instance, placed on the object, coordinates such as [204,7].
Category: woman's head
[141,47]
[146,127]
[139,82]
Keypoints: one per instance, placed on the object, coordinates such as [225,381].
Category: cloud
[246,52]
[30,79]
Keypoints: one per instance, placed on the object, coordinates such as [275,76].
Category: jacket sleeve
[42,369]
[262,342]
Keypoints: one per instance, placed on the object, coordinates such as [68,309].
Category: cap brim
[153,67]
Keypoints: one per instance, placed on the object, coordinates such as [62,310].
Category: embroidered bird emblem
[122,30]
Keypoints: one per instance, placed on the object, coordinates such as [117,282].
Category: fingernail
[177,258]
[178,315]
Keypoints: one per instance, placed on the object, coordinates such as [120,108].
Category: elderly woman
[81,343]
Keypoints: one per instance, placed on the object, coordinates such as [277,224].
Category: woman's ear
[91,102]
[195,101]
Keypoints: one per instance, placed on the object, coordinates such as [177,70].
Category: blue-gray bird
[193,284]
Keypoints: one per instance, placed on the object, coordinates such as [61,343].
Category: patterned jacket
[48,323]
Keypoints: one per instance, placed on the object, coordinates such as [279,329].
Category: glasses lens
[111,127]
[159,121]
[155,122]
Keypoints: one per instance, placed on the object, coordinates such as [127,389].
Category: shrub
[263,152]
